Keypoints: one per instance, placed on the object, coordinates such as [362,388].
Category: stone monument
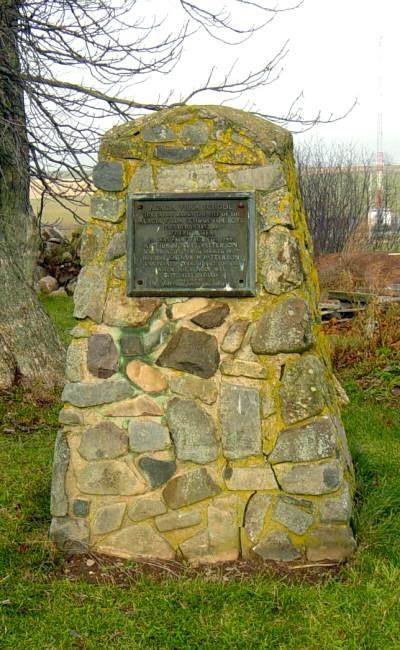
[201,415]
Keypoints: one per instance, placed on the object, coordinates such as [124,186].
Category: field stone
[302,389]
[48,284]
[81,507]
[140,405]
[91,243]
[70,417]
[101,392]
[280,261]
[223,527]
[194,352]
[116,247]
[122,310]
[195,177]
[175,154]
[71,536]
[185,308]
[192,430]
[274,209]
[212,318]
[289,514]
[254,477]
[256,511]
[309,478]
[177,520]
[196,133]
[139,541]
[277,546]
[111,477]
[158,133]
[241,368]
[109,176]
[107,208]
[103,441]
[108,518]
[142,180]
[90,293]
[146,377]
[58,495]
[74,362]
[234,336]
[337,510]
[191,386]
[146,435]
[131,344]
[102,356]
[334,543]
[157,471]
[146,506]
[268,177]
[240,421]
[189,488]
[312,441]
[285,327]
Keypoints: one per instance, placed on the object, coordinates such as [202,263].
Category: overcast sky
[333,58]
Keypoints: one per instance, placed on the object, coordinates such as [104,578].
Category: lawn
[357,608]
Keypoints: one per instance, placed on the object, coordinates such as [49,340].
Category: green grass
[60,309]
[359,609]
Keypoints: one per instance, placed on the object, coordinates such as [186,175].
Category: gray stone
[176,520]
[334,543]
[286,327]
[156,337]
[117,246]
[280,261]
[137,542]
[255,477]
[146,435]
[74,362]
[108,518]
[146,506]
[302,389]
[197,549]
[291,515]
[107,208]
[109,176]
[91,243]
[337,510]
[131,344]
[269,177]
[312,441]
[212,318]
[79,332]
[256,511]
[107,477]
[70,417]
[90,293]
[277,546]
[192,431]
[196,133]
[274,209]
[142,180]
[119,269]
[240,421]
[102,356]
[157,471]
[101,392]
[189,488]
[241,368]
[234,336]
[195,177]
[71,536]
[175,154]
[158,133]
[102,441]
[81,507]
[268,406]
[192,386]
[309,478]
[58,497]
[47,284]
[193,352]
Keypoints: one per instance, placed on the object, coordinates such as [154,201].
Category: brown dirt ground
[367,270]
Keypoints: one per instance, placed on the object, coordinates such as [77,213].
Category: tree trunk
[30,350]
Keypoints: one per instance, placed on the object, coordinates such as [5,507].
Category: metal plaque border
[249,286]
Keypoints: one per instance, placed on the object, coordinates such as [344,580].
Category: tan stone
[256,477]
[192,386]
[146,506]
[137,542]
[149,379]
[141,405]
[240,368]
[187,308]
[120,310]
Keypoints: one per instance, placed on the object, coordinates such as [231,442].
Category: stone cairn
[201,428]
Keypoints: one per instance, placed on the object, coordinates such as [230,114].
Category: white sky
[333,59]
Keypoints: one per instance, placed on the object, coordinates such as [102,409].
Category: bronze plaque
[191,244]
